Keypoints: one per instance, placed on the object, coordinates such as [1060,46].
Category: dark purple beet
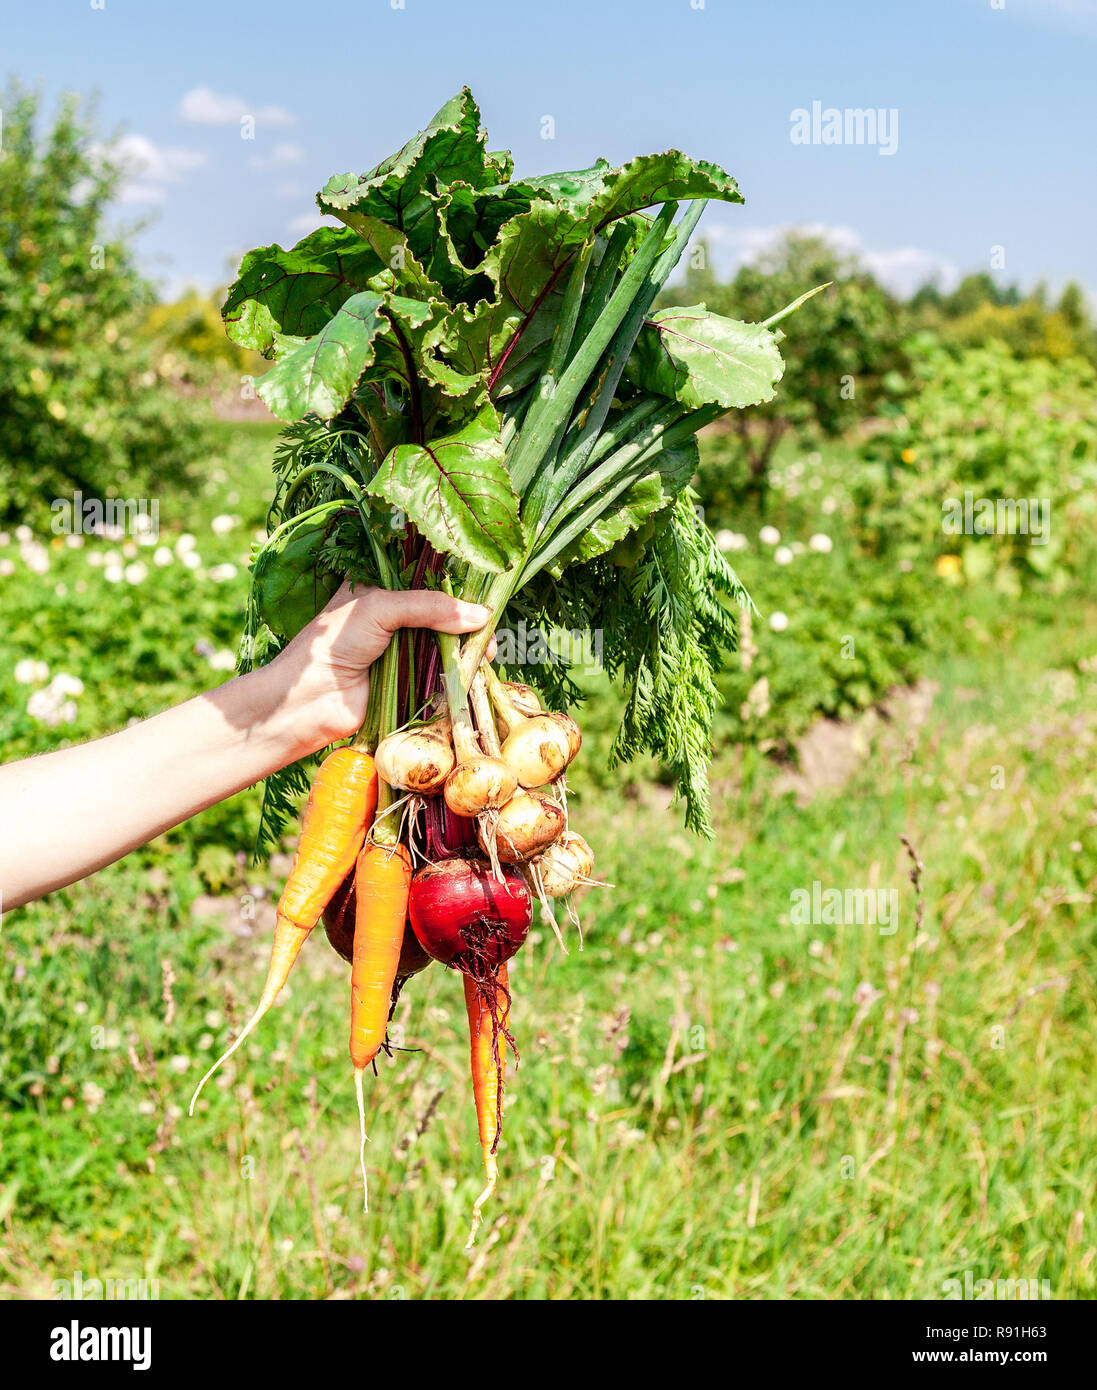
[339,925]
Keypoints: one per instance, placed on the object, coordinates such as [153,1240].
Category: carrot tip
[246,1032]
[359,1073]
[478,1209]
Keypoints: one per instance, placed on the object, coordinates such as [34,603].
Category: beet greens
[477,391]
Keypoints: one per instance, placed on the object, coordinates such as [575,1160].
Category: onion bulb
[523,698]
[524,827]
[574,733]
[513,702]
[538,750]
[479,784]
[566,863]
[417,760]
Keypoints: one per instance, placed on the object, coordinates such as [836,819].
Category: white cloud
[142,193]
[284,154]
[204,106]
[906,267]
[900,268]
[148,167]
[159,163]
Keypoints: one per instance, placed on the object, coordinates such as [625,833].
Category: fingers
[423,608]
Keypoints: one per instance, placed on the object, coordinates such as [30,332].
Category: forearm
[64,815]
[69,813]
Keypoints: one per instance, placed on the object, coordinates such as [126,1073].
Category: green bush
[836,628]
[101,632]
[836,634]
[979,421]
[190,336]
[868,609]
[83,404]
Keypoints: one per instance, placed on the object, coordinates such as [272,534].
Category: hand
[323,673]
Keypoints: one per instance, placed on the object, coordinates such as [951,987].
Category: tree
[975,290]
[981,311]
[838,345]
[192,332]
[1072,306]
[81,402]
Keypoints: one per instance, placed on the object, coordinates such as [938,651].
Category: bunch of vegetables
[479,397]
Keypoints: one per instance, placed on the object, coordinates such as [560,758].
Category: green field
[713,1100]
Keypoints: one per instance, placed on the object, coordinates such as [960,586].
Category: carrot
[382,882]
[488,1011]
[338,814]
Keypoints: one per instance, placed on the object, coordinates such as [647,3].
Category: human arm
[66,814]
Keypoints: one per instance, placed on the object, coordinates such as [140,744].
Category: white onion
[538,750]
[416,760]
[479,784]
[524,827]
[565,864]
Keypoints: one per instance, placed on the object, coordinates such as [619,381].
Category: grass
[713,1100]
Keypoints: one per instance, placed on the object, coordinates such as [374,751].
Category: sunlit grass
[713,1100]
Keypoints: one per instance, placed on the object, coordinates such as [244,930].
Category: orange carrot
[338,814]
[488,1011]
[382,882]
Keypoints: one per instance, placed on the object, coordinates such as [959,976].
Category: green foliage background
[713,1099]
[85,402]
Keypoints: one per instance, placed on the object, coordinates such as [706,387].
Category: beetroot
[338,918]
[464,917]
[339,925]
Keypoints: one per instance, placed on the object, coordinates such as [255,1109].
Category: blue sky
[994,98]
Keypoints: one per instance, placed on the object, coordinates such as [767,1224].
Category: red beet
[463,916]
[339,918]
[412,956]
[339,925]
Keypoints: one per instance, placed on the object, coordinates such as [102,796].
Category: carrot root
[491,1165]
[487,1001]
[289,938]
[338,811]
[382,881]
[359,1073]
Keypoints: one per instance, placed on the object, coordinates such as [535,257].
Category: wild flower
[31,672]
